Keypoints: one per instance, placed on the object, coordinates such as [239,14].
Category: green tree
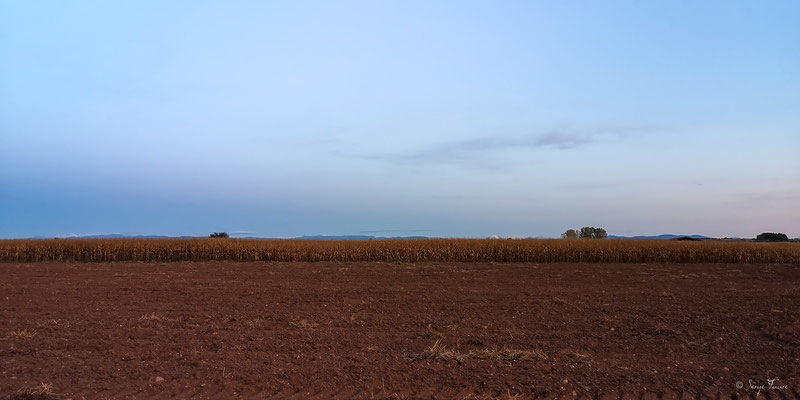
[600,233]
[570,234]
[590,232]
[772,237]
[219,235]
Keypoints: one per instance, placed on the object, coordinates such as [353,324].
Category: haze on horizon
[390,118]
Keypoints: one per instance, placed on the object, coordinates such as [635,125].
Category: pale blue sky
[430,118]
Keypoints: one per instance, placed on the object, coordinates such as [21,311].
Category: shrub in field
[219,235]
[570,234]
[772,237]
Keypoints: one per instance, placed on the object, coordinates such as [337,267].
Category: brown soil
[205,329]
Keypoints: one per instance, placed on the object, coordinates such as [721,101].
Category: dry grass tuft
[41,392]
[303,324]
[256,322]
[502,396]
[439,352]
[24,334]
[59,323]
[507,354]
[575,357]
[156,317]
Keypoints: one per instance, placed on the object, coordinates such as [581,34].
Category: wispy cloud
[591,186]
[771,197]
[473,150]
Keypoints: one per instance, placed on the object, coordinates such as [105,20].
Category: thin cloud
[475,150]
[772,197]
[591,186]
[562,140]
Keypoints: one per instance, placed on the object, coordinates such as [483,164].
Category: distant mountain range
[667,236]
[312,237]
[120,236]
[364,237]
[340,237]
[358,237]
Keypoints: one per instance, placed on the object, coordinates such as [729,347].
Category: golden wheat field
[430,250]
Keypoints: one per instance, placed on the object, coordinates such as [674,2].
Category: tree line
[587,232]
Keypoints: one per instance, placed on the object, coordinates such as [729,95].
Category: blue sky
[440,118]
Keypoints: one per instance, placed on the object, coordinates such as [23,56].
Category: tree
[569,234]
[219,235]
[590,232]
[772,237]
[600,233]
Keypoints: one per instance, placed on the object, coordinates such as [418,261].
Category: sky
[398,118]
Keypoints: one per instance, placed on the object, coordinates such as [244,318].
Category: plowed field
[342,330]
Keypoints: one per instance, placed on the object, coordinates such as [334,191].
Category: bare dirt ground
[342,330]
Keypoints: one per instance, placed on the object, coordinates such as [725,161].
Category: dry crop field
[422,250]
[444,319]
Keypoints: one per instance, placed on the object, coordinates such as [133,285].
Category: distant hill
[327,237]
[339,237]
[311,237]
[667,236]
[357,237]
[121,236]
